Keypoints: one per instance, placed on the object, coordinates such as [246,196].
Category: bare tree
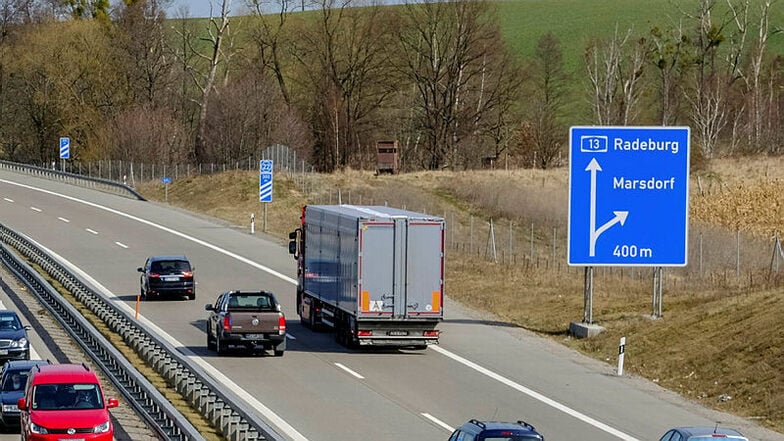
[715,71]
[670,57]
[454,58]
[269,40]
[547,100]
[345,60]
[614,70]
[140,40]
[204,79]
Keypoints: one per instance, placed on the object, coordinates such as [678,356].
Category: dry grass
[720,335]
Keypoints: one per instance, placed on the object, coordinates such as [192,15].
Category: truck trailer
[373,274]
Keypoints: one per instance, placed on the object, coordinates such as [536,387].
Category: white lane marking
[535,395]
[8,200]
[342,366]
[438,422]
[90,231]
[120,244]
[36,209]
[162,228]
[513,385]
[265,411]
[64,219]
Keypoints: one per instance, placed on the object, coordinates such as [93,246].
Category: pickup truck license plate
[397,333]
[254,336]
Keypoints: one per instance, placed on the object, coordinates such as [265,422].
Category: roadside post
[252,223]
[628,203]
[621,350]
[265,186]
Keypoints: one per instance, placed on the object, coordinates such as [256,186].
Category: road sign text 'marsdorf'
[628,196]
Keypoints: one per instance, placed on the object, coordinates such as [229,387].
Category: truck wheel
[278,349]
[210,341]
[219,346]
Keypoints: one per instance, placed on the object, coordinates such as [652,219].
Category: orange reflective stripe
[365,301]
[436,301]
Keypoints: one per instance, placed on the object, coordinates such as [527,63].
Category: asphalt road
[320,391]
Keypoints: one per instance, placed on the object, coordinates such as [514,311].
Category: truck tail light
[364,333]
[281,324]
[187,274]
[227,322]
[431,333]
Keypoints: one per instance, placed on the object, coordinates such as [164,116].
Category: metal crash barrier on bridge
[224,410]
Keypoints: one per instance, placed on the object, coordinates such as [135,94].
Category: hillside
[716,342]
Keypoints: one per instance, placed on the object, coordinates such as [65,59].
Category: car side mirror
[209,307]
[21,404]
[112,402]
[140,269]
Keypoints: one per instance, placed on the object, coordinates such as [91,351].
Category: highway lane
[416,395]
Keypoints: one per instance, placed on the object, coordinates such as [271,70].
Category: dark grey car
[167,276]
[14,344]
[696,433]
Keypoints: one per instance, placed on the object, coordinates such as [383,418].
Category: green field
[575,22]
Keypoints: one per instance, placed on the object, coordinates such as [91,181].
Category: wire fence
[715,256]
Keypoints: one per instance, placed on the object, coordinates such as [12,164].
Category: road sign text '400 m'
[628,196]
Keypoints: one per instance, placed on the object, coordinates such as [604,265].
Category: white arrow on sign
[620,216]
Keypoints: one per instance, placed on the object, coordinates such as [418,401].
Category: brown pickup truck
[250,319]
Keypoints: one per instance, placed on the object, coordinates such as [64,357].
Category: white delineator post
[252,223]
[621,350]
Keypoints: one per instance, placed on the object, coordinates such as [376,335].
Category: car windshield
[15,380]
[9,322]
[170,266]
[67,396]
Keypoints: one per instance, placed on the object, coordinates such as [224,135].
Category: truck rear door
[401,268]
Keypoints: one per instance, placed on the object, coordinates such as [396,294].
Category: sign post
[628,197]
[265,185]
[166,181]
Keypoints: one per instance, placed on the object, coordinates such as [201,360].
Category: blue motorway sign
[166,180]
[65,147]
[628,196]
[265,180]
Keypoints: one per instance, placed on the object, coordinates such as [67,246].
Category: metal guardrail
[72,178]
[222,408]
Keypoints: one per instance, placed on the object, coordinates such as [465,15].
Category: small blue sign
[166,180]
[628,196]
[265,180]
[65,147]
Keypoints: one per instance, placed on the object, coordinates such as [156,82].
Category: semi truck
[372,274]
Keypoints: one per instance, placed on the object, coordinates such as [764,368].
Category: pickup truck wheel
[219,346]
[210,342]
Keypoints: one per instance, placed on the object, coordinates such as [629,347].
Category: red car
[65,401]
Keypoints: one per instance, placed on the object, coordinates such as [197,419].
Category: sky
[201,8]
